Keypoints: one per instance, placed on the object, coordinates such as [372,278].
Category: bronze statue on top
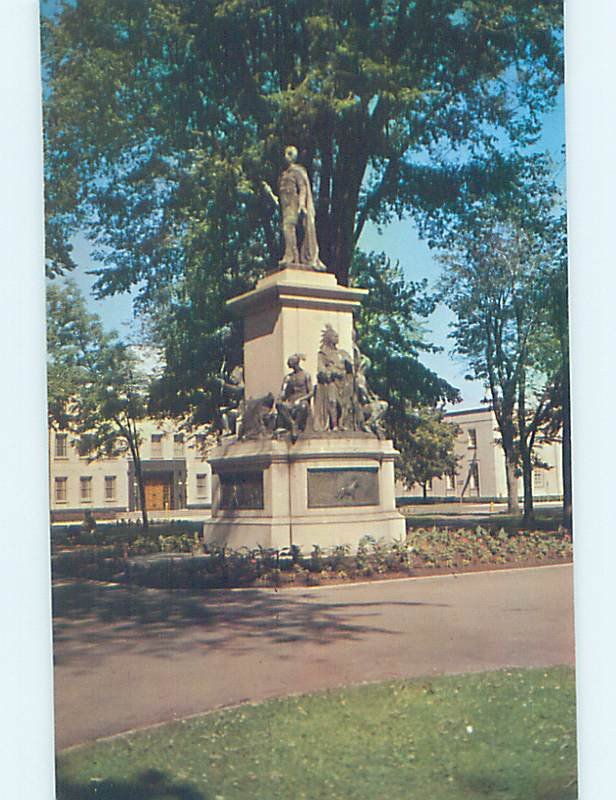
[298,213]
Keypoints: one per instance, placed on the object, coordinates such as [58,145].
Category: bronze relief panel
[241,490]
[331,487]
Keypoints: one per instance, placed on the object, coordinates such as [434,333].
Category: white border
[590,104]
[25,665]
[26,743]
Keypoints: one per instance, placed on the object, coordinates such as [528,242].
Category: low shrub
[183,561]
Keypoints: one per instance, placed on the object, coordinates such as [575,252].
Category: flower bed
[184,562]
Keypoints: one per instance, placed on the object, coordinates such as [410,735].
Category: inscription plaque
[241,490]
[338,486]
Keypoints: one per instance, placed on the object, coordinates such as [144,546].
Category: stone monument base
[326,491]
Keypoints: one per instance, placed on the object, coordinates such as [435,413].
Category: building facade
[480,470]
[176,475]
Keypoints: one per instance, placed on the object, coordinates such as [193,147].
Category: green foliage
[497,263]
[96,389]
[181,543]
[162,119]
[390,334]
[500,262]
[426,447]
[179,561]
[507,735]
[442,547]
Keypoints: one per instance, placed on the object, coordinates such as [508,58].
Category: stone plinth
[326,490]
[286,314]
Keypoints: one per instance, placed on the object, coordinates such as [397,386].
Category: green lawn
[457,515]
[500,735]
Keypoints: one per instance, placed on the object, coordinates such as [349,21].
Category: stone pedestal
[326,491]
[286,314]
[325,488]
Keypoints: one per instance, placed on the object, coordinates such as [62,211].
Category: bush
[181,561]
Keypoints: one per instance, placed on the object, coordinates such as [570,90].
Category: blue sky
[401,243]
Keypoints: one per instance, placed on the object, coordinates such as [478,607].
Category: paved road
[130,658]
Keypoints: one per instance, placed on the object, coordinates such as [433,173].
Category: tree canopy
[96,388]
[164,117]
[426,447]
[504,268]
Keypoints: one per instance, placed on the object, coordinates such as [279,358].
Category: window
[156,441]
[61,445]
[60,486]
[202,485]
[474,479]
[178,445]
[110,488]
[472,438]
[538,479]
[450,481]
[85,488]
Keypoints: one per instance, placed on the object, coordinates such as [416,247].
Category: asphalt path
[129,658]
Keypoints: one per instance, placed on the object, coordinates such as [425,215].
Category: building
[176,472]
[178,478]
[480,469]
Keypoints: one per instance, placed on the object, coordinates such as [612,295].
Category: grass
[507,735]
[547,518]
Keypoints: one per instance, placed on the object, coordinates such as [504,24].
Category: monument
[301,457]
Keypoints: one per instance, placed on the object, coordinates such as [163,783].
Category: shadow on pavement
[94,620]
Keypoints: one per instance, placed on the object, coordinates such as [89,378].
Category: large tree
[97,391]
[500,266]
[162,118]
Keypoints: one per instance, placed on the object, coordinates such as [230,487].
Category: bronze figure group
[339,402]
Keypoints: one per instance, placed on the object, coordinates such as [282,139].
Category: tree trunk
[133,443]
[566,451]
[425,489]
[141,490]
[526,456]
[507,432]
[513,503]
[349,172]
[527,479]
[343,244]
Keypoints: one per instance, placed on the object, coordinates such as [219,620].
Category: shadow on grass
[490,787]
[149,785]
[92,620]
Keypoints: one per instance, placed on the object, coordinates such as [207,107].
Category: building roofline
[482,410]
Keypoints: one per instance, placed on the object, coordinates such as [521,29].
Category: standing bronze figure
[332,396]
[298,215]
